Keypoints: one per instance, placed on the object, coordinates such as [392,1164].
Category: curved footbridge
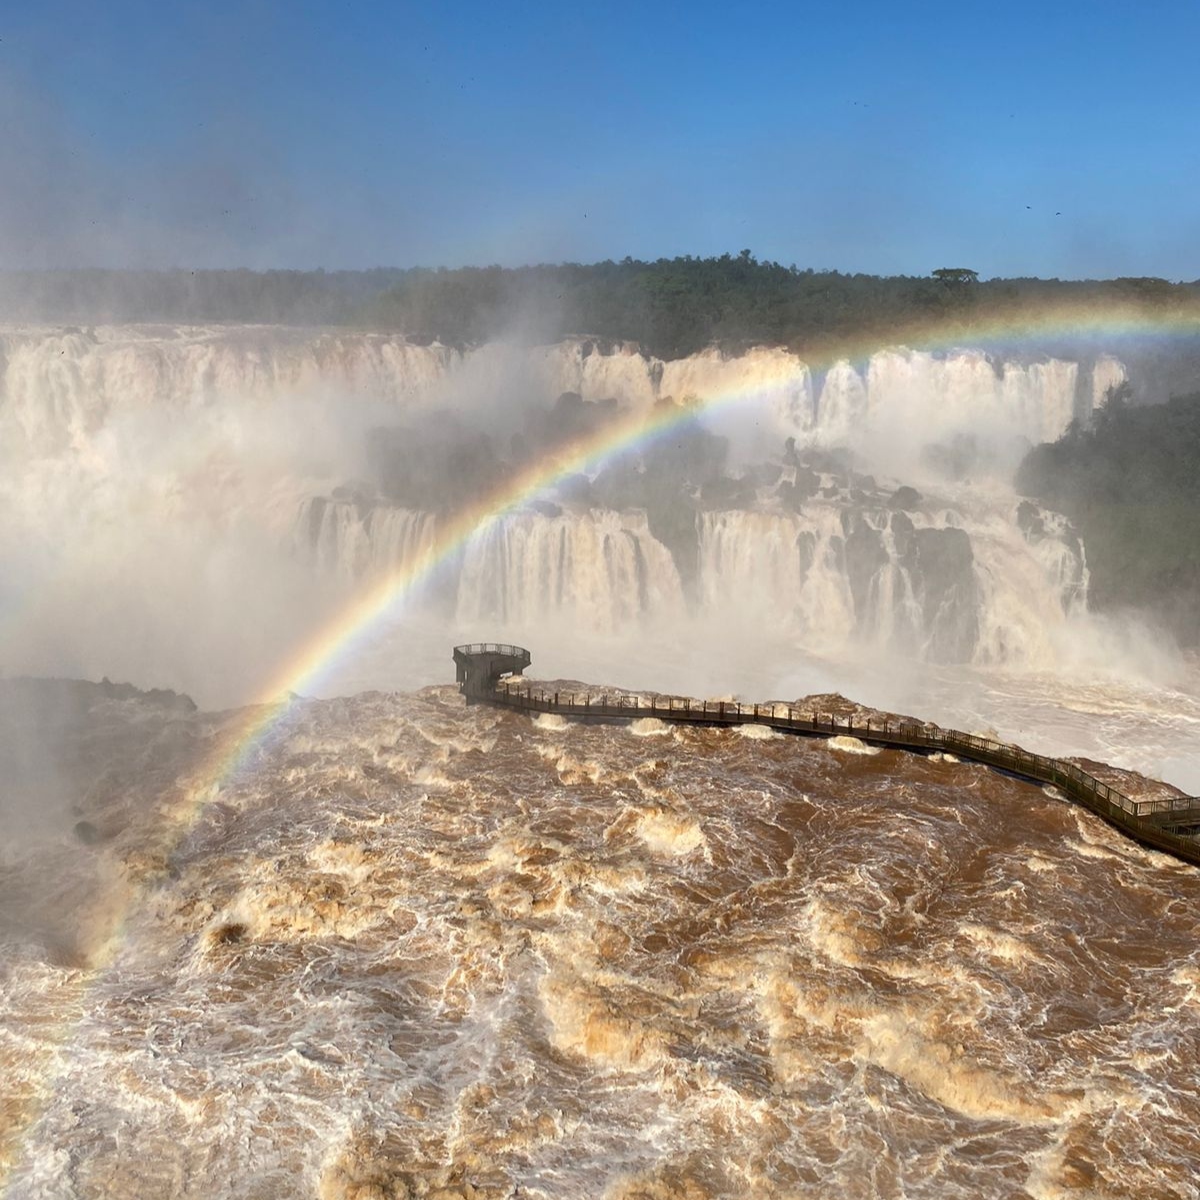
[489,673]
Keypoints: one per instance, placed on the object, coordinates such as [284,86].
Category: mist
[144,528]
[185,506]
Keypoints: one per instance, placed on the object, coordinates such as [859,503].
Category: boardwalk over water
[488,673]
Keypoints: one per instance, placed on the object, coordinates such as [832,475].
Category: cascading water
[395,945]
[602,571]
[958,577]
[782,568]
[946,586]
[347,539]
[61,387]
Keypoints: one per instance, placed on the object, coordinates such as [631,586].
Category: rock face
[47,703]
[1057,543]
[865,559]
[905,498]
[919,582]
[942,567]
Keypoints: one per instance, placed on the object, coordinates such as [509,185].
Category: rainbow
[239,738]
[338,641]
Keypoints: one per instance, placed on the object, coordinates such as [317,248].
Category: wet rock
[576,489]
[943,574]
[902,533]
[865,558]
[807,484]
[806,549]
[724,493]
[87,833]
[905,498]
[1029,520]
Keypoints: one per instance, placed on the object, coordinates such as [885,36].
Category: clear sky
[889,136]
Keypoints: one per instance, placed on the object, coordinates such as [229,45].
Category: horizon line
[626,260]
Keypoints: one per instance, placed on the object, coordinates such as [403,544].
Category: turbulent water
[416,949]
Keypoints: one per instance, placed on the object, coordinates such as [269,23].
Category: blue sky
[889,137]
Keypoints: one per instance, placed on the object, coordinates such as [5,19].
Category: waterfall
[58,388]
[782,568]
[601,570]
[970,583]
[1107,373]
[349,539]
[170,474]
[955,585]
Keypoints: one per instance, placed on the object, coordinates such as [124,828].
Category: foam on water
[578,967]
[851,745]
[649,727]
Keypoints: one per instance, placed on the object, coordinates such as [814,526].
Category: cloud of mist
[154,546]
[63,757]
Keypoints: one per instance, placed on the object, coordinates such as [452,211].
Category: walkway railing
[492,648]
[1161,822]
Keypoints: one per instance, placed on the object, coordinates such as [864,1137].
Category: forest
[1131,486]
[670,307]
[675,307]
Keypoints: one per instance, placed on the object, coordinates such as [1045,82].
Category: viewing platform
[489,673]
[481,665]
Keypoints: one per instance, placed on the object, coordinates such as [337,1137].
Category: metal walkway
[489,673]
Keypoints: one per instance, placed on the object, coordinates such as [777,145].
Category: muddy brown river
[415,949]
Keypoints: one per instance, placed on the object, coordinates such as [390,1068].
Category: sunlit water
[423,950]
[1105,710]
[419,950]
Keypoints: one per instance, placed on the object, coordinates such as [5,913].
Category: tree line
[671,307]
[675,307]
